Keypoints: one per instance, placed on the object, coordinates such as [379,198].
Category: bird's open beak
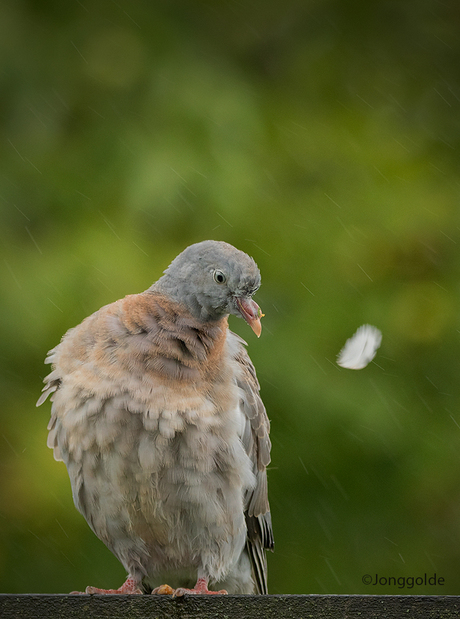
[251,312]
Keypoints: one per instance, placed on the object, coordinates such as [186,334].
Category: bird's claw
[129,587]
[163,590]
[201,588]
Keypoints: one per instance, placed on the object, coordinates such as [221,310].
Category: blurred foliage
[320,136]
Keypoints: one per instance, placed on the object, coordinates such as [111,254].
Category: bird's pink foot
[128,587]
[201,588]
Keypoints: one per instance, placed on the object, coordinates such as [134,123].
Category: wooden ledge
[34,606]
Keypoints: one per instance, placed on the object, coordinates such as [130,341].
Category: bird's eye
[219,277]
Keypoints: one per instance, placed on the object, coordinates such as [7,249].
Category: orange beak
[251,312]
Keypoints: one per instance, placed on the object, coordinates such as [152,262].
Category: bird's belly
[167,490]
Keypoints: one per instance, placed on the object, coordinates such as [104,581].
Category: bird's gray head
[214,279]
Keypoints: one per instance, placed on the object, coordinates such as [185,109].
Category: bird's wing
[257,444]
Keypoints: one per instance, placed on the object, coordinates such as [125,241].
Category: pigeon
[156,414]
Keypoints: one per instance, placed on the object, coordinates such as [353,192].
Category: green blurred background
[320,136]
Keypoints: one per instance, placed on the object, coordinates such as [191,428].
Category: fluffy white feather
[360,349]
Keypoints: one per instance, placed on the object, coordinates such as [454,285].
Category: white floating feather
[360,349]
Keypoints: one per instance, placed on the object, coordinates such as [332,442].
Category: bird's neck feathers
[184,293]
[180,344]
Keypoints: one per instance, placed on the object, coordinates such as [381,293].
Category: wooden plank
[229,607]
